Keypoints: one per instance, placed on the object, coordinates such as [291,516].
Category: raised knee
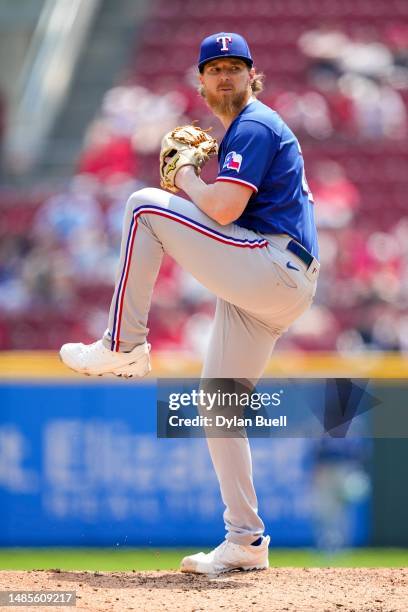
[147,195]
[139,198]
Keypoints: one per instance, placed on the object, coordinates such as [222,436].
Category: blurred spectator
[366,57]
[325,47]
[316,329]
[364,71]
[137,117]
[396,36]
[3,116]
[106,153]
[305,112]
[335,195]
[72,210]
[378,110]
[333,51]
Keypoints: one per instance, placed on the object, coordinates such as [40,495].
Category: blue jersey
[259,150]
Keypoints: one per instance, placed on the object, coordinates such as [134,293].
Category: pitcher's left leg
[240,347]
[238,352]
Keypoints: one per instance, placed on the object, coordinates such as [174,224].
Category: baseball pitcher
[249,237]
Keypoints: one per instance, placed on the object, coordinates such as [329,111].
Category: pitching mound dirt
[291,589]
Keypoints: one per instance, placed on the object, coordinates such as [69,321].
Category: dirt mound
[291,589]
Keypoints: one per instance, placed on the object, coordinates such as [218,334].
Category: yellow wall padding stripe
[46,365]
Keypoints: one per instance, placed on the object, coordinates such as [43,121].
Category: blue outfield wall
[80,464]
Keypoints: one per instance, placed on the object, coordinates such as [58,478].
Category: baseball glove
[188,145]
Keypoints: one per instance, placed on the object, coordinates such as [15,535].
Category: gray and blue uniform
[262,268]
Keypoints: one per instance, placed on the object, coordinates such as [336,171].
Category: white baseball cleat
[228,557]
[95,359]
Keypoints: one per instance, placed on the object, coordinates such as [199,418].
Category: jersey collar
[250,101]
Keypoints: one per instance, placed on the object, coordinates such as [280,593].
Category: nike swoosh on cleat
[291,266]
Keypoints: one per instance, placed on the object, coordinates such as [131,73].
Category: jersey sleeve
[248,155]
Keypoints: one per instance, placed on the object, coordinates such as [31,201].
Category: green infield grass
[128,559]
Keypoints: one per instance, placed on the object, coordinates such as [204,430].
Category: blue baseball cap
[224,44]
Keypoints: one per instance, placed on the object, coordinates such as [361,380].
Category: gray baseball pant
[258,297]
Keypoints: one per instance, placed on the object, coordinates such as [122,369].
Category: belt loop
[313,270]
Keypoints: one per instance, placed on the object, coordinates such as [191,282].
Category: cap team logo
[233,161]
[224,40]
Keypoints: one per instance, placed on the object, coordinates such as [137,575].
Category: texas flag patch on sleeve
[233,161]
